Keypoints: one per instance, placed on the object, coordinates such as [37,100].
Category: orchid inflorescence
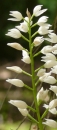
[44,33]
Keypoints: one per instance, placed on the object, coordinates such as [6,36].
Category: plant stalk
[33,80]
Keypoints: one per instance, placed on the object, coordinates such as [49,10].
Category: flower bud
[14,33]
[54,89]
[55,47]
[37,10]
[50,63]
[54,69]
[48,56]
[37,41]
[53,104]
[48,79]
[15,69]
[46,49]
[50,123]
[15,45]
[54,52]
[17,16]
[52,38]
[24,112]
[42,94]
[26,57]
[53,111]
[23,27]
[42,20]
[41,72]
[19,104]
[16,82]
[27,19]
[28,13]
[44,29]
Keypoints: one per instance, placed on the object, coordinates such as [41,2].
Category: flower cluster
[49,62]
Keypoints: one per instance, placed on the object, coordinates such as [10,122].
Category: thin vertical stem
[33,80]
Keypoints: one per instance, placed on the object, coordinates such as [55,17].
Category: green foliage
[52,8]
[20,5]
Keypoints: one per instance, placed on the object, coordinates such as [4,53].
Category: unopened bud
[28,13]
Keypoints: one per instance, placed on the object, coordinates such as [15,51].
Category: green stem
[31,17]
[37,54]
[24,38]
[39,103]
[35,121]
[37,82]
[44,114]
[32,109]
[28,87]
[39,68]
[33,79]
[28,74]
[33,25]
[34,34]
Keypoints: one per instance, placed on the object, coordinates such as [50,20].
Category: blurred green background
[9,56]
[19,5]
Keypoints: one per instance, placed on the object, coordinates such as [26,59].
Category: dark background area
[19,5]
[10,57]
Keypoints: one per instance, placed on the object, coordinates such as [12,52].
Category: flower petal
[16,82]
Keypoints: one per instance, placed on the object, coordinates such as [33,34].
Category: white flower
[37,10]
[54,89]
[15,45]
[23,27]
[17,16]
[42,20]
[15,69]
[53,104]
[41,72]
[27,19]
[52,38]
[54,69]
[26,57]
[46,25]
[51,107]
[46,106]
[46,49]
[47,79]
[42,94]
[50,63]
[44,29]
[14,33]
[37,41]
[24,112]
[19,104]
[55,47]
[54,52]
[48,56]
[50,123]
[53,111]
[16,82]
